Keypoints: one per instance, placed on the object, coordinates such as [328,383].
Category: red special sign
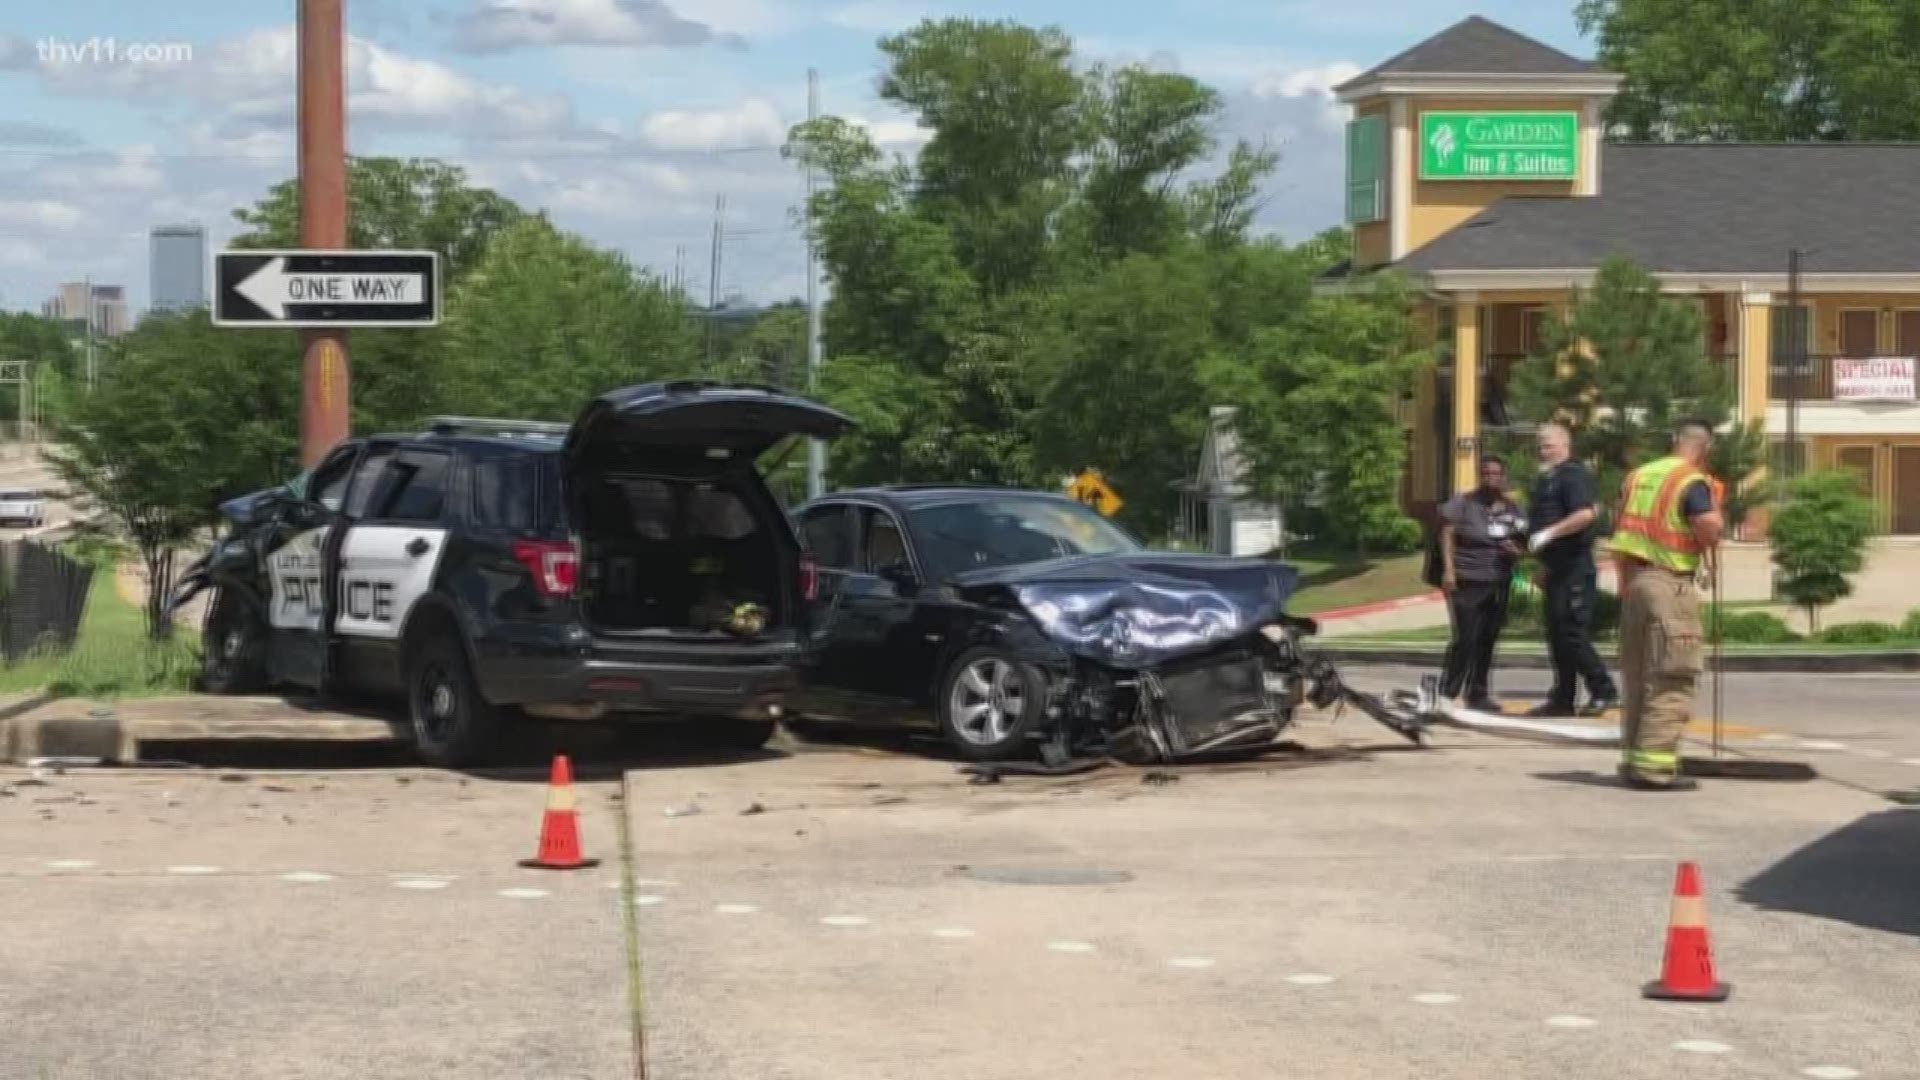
[1878,379]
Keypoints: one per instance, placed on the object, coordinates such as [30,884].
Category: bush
[1747,627]
[1820,539]
[1860,633]
[1911,628]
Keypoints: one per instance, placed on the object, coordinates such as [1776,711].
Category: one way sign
[326,288]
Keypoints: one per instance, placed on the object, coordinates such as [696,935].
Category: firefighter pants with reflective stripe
[1660,664]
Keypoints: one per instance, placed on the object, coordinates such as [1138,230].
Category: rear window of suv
[516,493]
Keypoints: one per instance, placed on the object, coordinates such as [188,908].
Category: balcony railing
[1809,380]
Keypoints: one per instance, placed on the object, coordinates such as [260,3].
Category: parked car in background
[1016,622]
[633,562]
[23,506]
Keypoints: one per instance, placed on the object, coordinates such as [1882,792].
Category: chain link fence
[43,594]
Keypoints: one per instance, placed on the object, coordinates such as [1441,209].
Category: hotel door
[1906,490]
[1861,461]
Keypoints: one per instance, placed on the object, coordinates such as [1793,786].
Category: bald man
[1564,510]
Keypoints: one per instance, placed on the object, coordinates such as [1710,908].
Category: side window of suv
[328,483]
[415,488]
[505,494]
[828,531]
[366,478]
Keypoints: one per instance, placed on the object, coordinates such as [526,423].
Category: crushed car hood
[1135,611]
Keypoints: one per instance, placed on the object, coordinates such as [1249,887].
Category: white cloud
[21,253]
[39,214]
[748,18]
[405,91]
[1304,82]
[132,169]
[501,25]
[878,16]
[893,134]
[748,122]
[16,53]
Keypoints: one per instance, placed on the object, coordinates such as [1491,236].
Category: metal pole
[816,448]
[87,285]
[325,417]
[1796,361]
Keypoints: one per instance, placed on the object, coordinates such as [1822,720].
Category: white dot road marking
[1874,753]
[306,877]
[1078,947]
[1191,963]
[524,894]
[736,909]
[1775,736]
[1911,761]
[193,869]
[1436,999]
[953,933]
[1821,744]
[1701,1046]
[652,883]
[422,884]
[1309,979]
[71,864]
[1831,1072]
[845,922]
[648,900]
[1572,1022]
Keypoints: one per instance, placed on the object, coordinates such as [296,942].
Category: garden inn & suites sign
[1499,145]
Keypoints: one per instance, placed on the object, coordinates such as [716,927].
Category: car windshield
[979,533]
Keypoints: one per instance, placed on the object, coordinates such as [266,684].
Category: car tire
[453,725]
[991,704]
[233,646]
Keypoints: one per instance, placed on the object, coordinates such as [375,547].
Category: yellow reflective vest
[1651,527]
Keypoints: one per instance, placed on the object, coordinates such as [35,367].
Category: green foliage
[184,416]
[1746,627]
[1317,397]
[1820,538]
[1910,626]
[1861,633]
[418,203]
[1761,70]
[113,655]
[546,321]
[1621,369]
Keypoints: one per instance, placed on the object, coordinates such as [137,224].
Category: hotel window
[1860,332]
[1366,170]
[1906,332]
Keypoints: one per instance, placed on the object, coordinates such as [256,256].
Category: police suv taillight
[809,577]
[555,564]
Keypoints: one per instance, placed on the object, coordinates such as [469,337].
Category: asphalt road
[31,472]
[1482,910]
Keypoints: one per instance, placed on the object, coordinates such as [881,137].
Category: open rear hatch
[679,535]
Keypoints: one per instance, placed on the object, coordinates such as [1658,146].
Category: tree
[1820,538]
[1621,368]
[46,346]
[1317,415]
[971,329]
[1762,70]
[395,203]
[184,416]
[547,321]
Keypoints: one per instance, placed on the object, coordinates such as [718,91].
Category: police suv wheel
[990,705]
[453,725]
[233,646]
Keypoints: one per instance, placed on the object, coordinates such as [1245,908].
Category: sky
[624,119]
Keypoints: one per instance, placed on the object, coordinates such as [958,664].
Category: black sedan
[1013,619]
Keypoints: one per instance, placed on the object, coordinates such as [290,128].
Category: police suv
[634,561]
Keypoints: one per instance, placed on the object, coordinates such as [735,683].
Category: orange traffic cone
[560,826]
[1687,974]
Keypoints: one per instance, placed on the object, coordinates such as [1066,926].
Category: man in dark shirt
[1480,536]
[1564,511]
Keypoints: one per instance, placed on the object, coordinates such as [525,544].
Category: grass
[111,657]
[1437,636]
[1331,581]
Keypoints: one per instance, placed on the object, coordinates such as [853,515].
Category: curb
[21,704]
[1375,608]
[1892,661]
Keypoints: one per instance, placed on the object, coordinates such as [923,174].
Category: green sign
[1499,145]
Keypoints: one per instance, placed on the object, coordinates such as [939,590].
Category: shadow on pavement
[1867,874]
[1587,779]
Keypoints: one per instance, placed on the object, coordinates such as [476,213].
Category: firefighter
[1668,530]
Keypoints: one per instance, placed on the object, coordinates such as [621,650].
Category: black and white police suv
[634,561]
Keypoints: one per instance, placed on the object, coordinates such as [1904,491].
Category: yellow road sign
[1091,488]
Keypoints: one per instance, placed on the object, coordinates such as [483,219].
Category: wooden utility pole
[324,373]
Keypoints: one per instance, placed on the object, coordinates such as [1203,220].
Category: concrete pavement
[1484,909]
